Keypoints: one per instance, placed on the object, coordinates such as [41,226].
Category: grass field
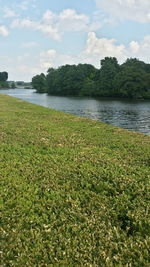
[75,192]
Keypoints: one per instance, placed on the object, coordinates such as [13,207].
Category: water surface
[128,114]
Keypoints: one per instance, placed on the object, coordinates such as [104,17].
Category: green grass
[75,192]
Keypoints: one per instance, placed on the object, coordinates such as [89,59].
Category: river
[128,114]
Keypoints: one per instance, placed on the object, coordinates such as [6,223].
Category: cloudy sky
[38,34]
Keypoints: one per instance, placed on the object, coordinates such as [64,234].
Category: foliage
[3,76]
[4,85]
[13,85]
[38,82]
[75,192]
[3,80]
[130,80]
[109,69]
[20,83]
[69,79]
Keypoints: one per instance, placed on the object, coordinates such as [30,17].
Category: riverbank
[75,191]
[131,115]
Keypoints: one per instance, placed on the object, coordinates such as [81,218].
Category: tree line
[128,80]
[3,79]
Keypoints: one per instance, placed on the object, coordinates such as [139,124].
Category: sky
[38,34]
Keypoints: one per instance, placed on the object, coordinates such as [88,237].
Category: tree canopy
[3,76]
[130,79]
[3,79]
[38,82]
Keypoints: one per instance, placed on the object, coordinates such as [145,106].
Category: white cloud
[47,58]
[23,23]
[137,10]
[94,50]
[55,25]
[69,20]
[9,13]
[50,31]
[134,47]
[97,48]
[141,49]
[4,31]
[47,29]
[52,58]
[49,16]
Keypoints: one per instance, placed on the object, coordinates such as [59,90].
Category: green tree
[69,79]
[13,86]
[109,68]
[3,76]
[88,88]
[132,81]
[39,83]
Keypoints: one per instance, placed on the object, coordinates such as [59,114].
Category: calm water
[132,115]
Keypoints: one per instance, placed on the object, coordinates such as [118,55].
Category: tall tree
[109,68]
[69,79]
[39,83]
[132,81]
[3,76]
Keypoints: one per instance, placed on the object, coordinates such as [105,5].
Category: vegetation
[38,82]
[129,80]
[75,192]
[22,84]
[3,79]
[13,85]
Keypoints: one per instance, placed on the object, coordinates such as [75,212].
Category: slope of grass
[75,192]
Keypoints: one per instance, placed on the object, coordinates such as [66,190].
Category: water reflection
[132,115]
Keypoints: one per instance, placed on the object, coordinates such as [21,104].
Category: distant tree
[69,79]
[3,76]
[39,83]
[13,86]
[132,81]
[20,83]
[109,68]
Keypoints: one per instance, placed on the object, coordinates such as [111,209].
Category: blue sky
[38,34]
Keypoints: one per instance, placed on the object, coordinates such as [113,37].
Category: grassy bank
[75,192]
